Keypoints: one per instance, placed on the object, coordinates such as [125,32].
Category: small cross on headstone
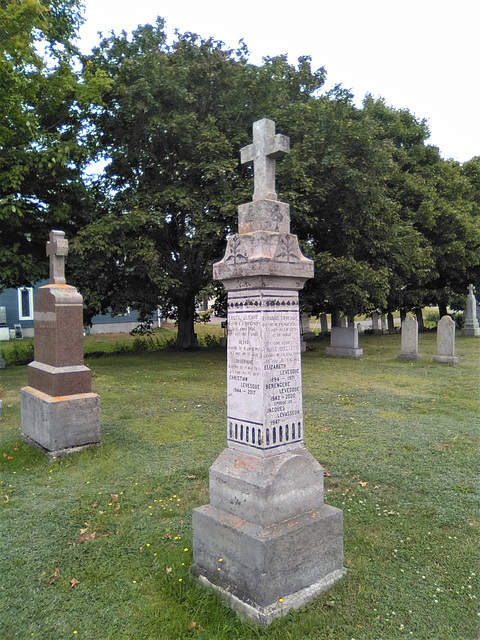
[267,146]
[57,249]
[471,290]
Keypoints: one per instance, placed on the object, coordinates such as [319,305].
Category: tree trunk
[390,323]
[442,309]
[403,315]
[419,316]
[186,337]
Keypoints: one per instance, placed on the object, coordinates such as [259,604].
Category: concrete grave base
[267,535]
[409,356]
[445,359]
[266,615]
[471,332]
[294,560]
[344,352]
[60,425]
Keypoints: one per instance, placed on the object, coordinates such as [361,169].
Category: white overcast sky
[423,55]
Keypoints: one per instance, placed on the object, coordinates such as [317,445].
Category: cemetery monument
[344,343]
[471,328]
[59,412]
[266,542]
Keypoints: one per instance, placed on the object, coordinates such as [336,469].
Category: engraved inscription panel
[264,369]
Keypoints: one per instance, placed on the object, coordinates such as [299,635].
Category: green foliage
[40,157]
[171,122]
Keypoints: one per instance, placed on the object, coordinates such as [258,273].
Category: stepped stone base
[60,425]
[266,535]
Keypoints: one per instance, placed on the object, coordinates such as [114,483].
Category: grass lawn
[97,546]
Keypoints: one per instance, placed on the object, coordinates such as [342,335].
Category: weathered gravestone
[279,544]
[445,342]
[375,324]
[409,340]
[323,323]
[343,322]
[59,413]
[344,343]
[471,328]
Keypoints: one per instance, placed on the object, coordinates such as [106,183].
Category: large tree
[170,125]
[435,199]
[337,177]
[40,158]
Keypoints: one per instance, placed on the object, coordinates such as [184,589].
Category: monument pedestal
[279,544]
[59,425]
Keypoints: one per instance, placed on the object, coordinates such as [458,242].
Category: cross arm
[279,147]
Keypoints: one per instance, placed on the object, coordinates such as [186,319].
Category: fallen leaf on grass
[326,474]
[73,583]
[362,484]
[87,538]
[7,457]
[114,497]
[190,477]
[54,576]
[192,626]
[95,505]
[169,570]
[117,507]
[168,536]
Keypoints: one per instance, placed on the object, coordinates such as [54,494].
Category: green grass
[401,443]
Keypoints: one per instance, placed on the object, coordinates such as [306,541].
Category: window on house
[25,303]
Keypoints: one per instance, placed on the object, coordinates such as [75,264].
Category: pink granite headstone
[59,412]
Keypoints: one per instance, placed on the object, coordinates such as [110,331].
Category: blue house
[17,313]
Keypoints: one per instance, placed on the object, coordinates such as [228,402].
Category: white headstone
[409,340]
[446,342]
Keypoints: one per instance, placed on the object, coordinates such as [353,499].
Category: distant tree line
[389,223]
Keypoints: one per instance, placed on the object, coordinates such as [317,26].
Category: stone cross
[471,290]
[57,249]
[267,146]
